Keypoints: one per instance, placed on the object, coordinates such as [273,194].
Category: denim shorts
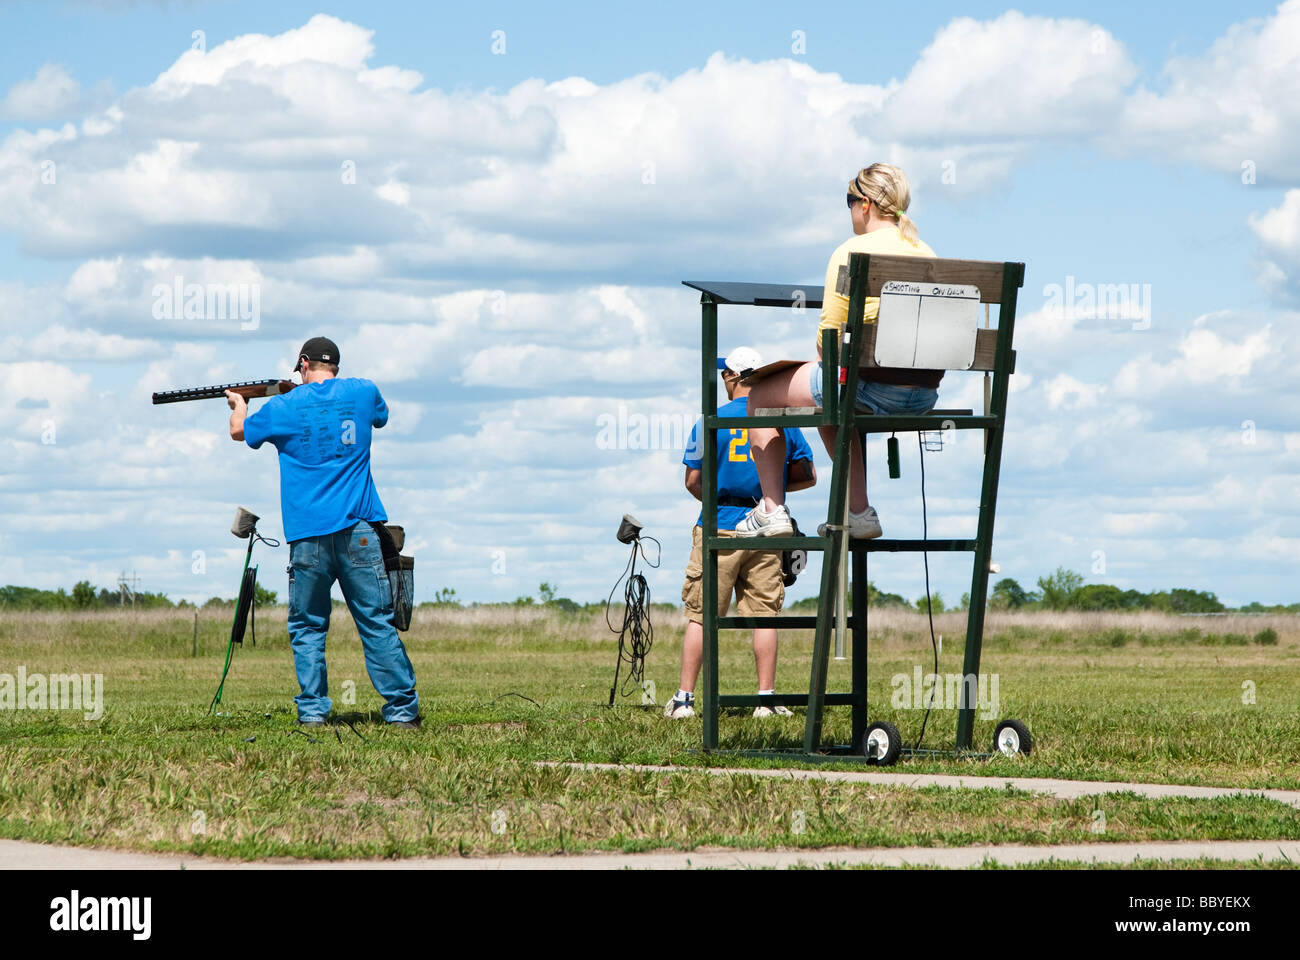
[886,398]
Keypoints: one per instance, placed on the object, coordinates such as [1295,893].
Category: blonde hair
[886,186]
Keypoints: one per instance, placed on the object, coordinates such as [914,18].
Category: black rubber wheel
[881,744]
[1012,737]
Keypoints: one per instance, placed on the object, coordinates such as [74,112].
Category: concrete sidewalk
[1065,789]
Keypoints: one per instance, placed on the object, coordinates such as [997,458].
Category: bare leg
[789,388]
[857,475]
[765,657]
[768,446]
[693,655]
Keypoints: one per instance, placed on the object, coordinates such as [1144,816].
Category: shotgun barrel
[249,389]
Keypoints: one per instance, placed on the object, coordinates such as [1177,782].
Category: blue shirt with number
[322,432]
[737,475]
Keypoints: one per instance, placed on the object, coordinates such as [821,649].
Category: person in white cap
[753,575]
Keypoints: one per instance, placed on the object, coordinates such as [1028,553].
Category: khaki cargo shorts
[754,575]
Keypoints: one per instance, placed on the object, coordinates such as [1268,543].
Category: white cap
[741,359]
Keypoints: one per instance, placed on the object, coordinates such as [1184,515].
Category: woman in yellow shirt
[878,200]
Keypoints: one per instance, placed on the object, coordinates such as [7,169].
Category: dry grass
[44,627]
[1145,621]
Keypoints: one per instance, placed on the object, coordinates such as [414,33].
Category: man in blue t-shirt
[331,517]
[754,575]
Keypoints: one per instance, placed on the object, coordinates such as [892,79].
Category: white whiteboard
[930,326]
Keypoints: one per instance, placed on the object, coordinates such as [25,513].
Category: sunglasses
[852,200]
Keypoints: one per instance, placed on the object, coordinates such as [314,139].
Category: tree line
[1065,590]
[84,596]
[1060,590]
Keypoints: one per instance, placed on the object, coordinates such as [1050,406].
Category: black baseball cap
[321,349]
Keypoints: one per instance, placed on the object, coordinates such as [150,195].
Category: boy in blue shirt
[330,508]
[754,575]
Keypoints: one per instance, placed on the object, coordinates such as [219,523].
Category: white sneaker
[760,524]
[777,711]
[679,709]
[862,526]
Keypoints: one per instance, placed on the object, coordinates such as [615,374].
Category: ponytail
[907,227]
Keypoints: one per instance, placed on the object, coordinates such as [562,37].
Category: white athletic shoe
[862,526]
[759,524]
[679,709]
[777,711]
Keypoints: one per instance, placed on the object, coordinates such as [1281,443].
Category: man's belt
[729,501]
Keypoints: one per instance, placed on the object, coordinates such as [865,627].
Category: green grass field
[1144,697]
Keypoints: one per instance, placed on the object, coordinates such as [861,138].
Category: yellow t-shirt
[835,306]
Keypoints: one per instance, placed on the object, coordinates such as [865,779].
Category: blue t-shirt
[737,475]
[322,432]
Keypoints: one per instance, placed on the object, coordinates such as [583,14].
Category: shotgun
[249,389]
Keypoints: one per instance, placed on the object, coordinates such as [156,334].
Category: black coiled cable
[635,634]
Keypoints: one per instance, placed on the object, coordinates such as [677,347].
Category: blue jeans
[354,559]
[884,398]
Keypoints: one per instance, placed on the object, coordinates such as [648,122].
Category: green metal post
[1013,276]
[709,526]
[858,266]
[830,375]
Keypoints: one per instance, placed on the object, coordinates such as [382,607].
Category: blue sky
[505,264]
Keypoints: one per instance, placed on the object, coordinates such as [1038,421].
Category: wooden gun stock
[248,389]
